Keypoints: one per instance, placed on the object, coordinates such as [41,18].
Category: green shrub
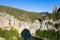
[8,35]
[49,34]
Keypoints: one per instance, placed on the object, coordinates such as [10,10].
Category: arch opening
[25,34]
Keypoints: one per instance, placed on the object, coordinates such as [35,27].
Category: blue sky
[32,5]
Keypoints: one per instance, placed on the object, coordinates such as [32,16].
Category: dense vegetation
[49,34]
[10,35]
[20,14]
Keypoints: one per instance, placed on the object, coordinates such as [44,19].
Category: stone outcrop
[49,26]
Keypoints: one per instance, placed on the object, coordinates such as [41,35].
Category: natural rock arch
[25,34]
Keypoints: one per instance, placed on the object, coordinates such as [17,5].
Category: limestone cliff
[8,21]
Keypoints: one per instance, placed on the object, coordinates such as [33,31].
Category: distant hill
[20,14]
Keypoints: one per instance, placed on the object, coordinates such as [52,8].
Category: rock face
[7,21]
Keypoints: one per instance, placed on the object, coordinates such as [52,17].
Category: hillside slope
[20,14]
